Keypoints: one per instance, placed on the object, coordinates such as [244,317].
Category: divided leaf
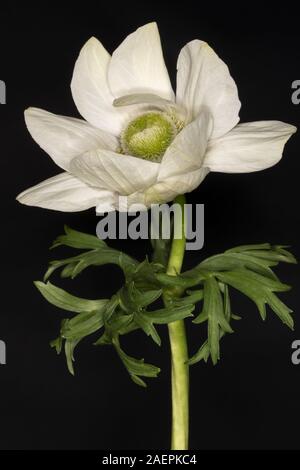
[136,368]
[213,311]
[62,299]
[247,268]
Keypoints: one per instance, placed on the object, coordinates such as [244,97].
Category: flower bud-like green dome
[148,136]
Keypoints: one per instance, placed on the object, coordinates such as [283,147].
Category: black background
[251,400]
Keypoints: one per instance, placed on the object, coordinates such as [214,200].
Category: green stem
[178,344]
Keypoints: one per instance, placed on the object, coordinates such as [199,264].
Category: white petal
[108,202]
[166,190]
[187,151]
[91,91]
[63,138]
[116,172]
[204,81]
[64,193]
[137,65]
[146,99]
[249,147]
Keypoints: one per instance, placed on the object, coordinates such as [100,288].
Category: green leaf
[186,280]
[281,310]
[227,305]
[114,327]
[133,299]
[144,298]
[144,275]
[84,324]
[66,271]
[145,323]
[278,255]
[287,256]
[259,290]
[246,268]
[170,314]
[146,319]
[266,251]
[192,298]
[235,317]
[213,311]
[66,301]
[75,239]
[135,367]
[261,246]
[237,261]
[57,344]
[203,353]
[97,257]
[69,352]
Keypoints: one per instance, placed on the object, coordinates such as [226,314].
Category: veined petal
[63,138]
[116,172]
[249,147]
[204,81]
[90,89]
[137,65]
[165,191]
[146,99]
[65,193]
[187,151]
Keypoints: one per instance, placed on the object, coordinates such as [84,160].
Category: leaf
[203,353]
[233,261]
[287,256]
[246,268]
[99,256]
[75,239]
[192,298]
[259,290]
[66,301]
[146,324]
[186,280]
[227,305]
[144,275]
[266,251]
[145,298]
[133,299]
[146,320]
[213,312]
[170,314]
[281,310]
[111,307]
[135,367]
[57,344]
[67,271]
[248,276]
[69,352]
[279,255]
[84,324]
[114,327]
[261,246]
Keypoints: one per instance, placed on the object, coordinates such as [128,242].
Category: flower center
[149,135]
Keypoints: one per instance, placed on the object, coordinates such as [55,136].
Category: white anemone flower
[138,139]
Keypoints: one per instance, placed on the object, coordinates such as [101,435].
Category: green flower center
[149,135]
